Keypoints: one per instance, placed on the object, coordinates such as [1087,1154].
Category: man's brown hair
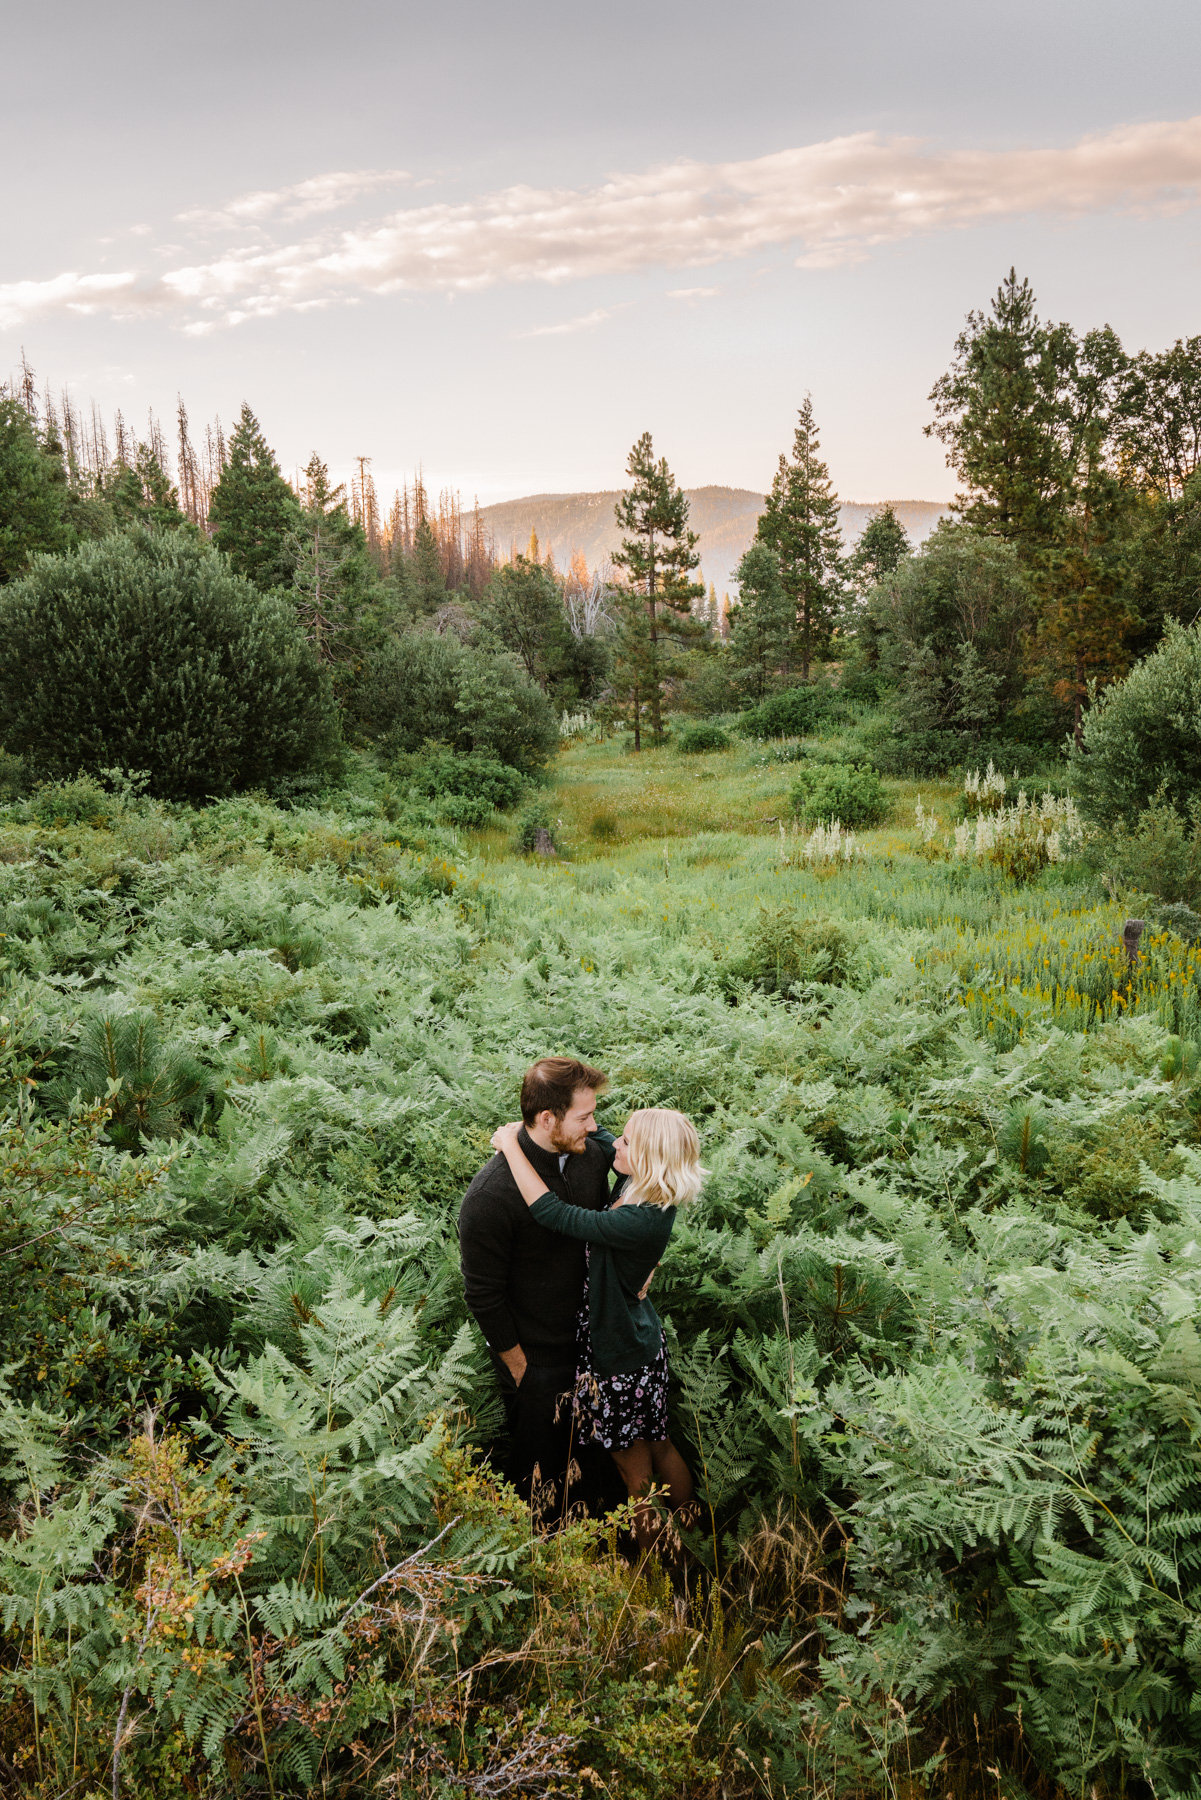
[550,1086]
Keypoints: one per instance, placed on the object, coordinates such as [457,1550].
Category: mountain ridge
[723,518]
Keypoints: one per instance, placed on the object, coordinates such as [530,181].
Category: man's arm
[486,1254]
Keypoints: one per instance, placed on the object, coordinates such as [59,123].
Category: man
[525,1285]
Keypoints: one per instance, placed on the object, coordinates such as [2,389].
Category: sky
[499,242]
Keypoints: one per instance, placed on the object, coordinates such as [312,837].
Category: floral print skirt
[617,1410]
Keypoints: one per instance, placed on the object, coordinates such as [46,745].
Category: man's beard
[560,1142]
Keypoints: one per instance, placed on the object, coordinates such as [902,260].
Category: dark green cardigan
[627,1242]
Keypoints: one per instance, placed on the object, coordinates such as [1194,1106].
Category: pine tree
[255,512]
[655,609]
[800,524]
[882,543]
[334,574]
[763,623]
[424,584]
[33,492]
[1024,411]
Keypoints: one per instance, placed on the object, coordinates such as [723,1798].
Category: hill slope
[723,517]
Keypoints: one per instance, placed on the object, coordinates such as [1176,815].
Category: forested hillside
[723,518]
[320,820]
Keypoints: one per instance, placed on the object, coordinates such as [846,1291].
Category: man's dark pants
[546,1463]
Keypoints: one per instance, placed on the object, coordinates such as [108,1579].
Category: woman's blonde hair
[665,1158]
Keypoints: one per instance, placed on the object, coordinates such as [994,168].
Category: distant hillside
[723,518]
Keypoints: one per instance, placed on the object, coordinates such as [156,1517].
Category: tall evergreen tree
[255,512]
[762,624]
[1025,410]
[334,575]
[799,523]
[33,492]
[422,581]
[142,493]
[655,609]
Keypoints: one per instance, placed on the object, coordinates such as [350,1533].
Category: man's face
[571,1131]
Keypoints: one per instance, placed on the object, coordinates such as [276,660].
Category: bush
[1142,736]
[1161,856]
[423,688]
[787,951]
[695,740]
[439,774]
[533,818]
[79,802]
[146,651]
[793,713]
[828,791]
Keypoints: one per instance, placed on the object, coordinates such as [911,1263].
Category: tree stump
[1132,931]
[544,843]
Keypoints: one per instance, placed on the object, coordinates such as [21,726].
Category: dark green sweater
[627,1242]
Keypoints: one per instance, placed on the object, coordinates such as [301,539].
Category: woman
[621,1382]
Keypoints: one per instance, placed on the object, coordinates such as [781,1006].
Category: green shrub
[1161,856]
[534,817]
[793,713]
[79,802]
[787,950]
[145,651]
[695,740]
[14,776]
[474,775]
[423,688]
[1142,736]
[828,791]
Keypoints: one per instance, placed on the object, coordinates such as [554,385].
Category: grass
[604,795]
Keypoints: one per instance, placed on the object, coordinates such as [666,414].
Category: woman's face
[621,1154]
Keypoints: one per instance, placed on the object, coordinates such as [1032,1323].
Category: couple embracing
[559,1236]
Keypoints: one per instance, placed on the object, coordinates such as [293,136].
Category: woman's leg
[634,1463]
[673,1475]
[640,1463]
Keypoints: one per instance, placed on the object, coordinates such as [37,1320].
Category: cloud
[303,200]
[570,325]
[692,293]
[20,300]
[827,203]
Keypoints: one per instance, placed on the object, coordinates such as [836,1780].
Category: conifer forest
[322,816]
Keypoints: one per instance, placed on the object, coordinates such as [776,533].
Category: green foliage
[425,688]
[523,610]
[655,623]
[472,774]
[698,739]
[33,493]
[534,817]
[882,546]
[799,524]
[853,795]
[1160,856]
[786,952]
[952,623]
[144,651]
[255,512]
[762,622]
[794,712]
[1142,736]
[931,1323]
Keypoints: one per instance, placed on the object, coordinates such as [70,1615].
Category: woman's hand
[505,1136]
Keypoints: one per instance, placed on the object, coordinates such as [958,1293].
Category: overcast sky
[502,240]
